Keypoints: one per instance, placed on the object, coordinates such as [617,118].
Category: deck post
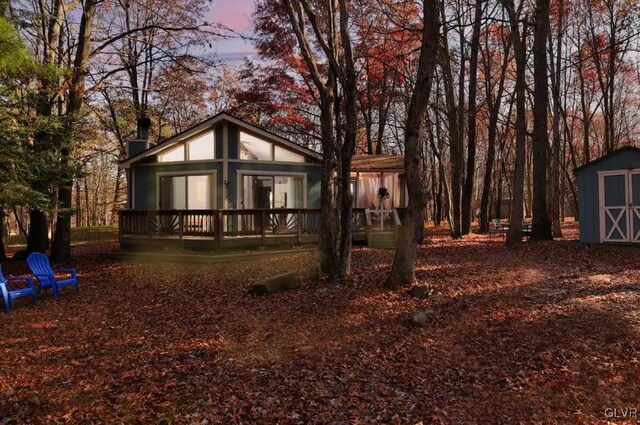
[120,226]
[149,221]
[263,228]
[217,227]
[299,225]
[181,224]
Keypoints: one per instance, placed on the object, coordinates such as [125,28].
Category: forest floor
[545,332]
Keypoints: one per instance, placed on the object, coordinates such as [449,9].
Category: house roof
[222,116]
[377,163]
[607,156]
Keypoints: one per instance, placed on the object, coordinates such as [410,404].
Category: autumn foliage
[546,332]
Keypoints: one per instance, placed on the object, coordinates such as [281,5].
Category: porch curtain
[392,183]
[368,185]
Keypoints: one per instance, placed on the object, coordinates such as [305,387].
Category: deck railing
[219,224]
[231,224]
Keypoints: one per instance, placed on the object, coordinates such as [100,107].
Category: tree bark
[494,113]
[61,247]
[555,194]
[514,236]
[467,194]
[403,267]
[338,148]
[456,144]
[3,255]
[541,226]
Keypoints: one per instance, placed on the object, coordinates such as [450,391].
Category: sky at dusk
[235,14]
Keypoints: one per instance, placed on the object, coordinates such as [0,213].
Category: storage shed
[609,198]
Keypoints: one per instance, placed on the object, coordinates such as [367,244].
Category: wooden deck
[215,229]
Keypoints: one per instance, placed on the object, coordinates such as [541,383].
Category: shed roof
[377,163]
[607,156]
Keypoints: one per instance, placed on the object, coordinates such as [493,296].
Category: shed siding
[588,192]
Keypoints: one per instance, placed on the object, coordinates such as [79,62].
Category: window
[289,192]
[202,147]
[173,155]
[192,192]
[282,154]
[272,192]
[172,193]
[199,192]
[255,149]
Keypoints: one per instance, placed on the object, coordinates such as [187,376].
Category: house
[609,198]
[370,173]
[226,180]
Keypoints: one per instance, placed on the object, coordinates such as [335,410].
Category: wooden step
[381,240]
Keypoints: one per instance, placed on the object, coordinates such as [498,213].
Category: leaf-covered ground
[547,332]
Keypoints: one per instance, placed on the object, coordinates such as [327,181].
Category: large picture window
[202,147]
[272,192]
[253,148]
[174,155]
[190,192]
[285,155]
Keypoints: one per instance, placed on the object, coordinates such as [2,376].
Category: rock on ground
[281,282]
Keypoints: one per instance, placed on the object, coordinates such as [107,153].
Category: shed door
[634,205]
[614,207]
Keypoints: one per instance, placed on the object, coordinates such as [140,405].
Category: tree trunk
[555,194]
[456,144]
[3,255]
[349,84]
[541,226]
[514,236]
[494,113]
[329,212]
[403,267]
[467,194]
[38,236]
[61,247]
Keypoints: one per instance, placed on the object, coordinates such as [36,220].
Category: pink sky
[235,14]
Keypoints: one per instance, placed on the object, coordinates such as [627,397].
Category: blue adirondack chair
[11,294]
[40,267]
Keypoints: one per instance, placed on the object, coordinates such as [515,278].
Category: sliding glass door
[259,191]
[186,192]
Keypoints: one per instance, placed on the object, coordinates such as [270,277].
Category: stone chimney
[141,143]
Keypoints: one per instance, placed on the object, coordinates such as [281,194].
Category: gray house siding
[589,195]
[219,134]
[232,134]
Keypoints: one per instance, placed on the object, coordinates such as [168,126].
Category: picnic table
[502,228]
